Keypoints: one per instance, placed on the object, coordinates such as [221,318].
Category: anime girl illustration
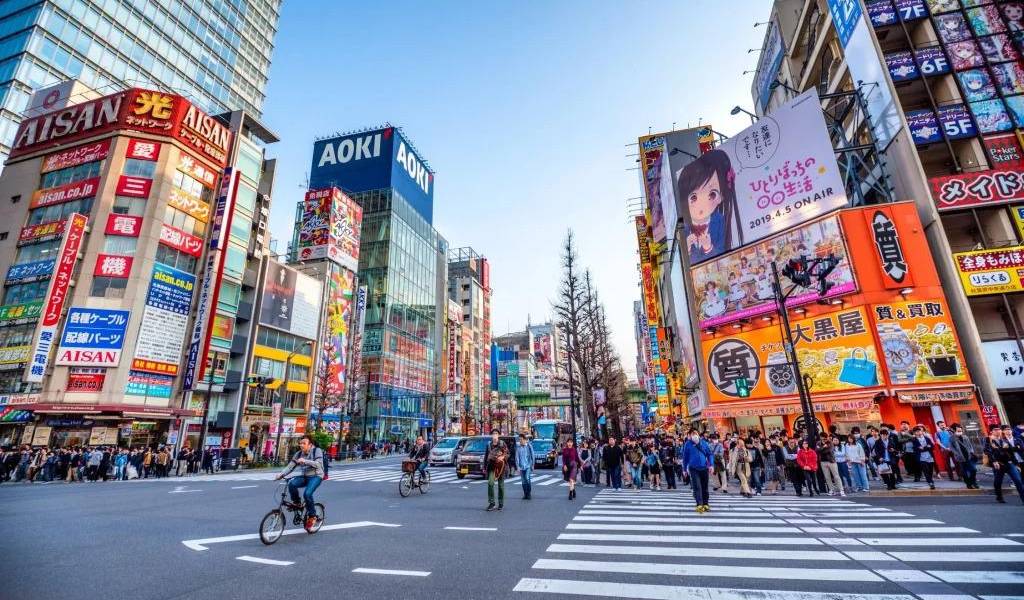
[997,49]
[736,292]
[708,186]
[941,6]
[1016,106]
[1013,12]
[965,55]
[764,284]
[991,116]
[1009,77]
[952,28]
[985,20]
[977,85]
[714,300]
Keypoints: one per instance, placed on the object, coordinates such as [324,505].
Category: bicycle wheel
[272,527]
[319,509]
[424,482]
[405,485]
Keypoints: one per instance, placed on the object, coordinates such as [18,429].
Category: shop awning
[767,408]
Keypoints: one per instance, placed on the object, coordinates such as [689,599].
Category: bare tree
[323,398]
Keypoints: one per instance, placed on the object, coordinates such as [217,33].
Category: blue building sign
[95,328]
[32,270]
[372,160]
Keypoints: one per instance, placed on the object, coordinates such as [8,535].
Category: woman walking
[739,464]
[772,463]
[856,461]
[653,464]
[807,459]
[570,466]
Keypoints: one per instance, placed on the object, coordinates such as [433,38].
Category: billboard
[739,285]
[918,342]
[977,188]
[93,337]
[1005,363]
[337,329]
[330,228]
[996,271]
[291,301]
[56,294]
[374,159]
[771,176]
[768,64]
[164,321]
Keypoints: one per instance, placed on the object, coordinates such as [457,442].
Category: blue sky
[523,109]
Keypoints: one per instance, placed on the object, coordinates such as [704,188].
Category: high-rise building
[469,286]
[401,262]
[942,87]
[216,54]
[167,208]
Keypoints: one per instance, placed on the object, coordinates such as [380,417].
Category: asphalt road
[145,540]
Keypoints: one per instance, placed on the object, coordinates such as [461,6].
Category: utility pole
[283,391]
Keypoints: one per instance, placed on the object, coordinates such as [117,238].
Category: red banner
[966,190]
[76,156]
[65,193]
[85,382]
[32,233]
[181,241]
[113,265]
[1004,151]
[125,225]
[134,187]
[143,150]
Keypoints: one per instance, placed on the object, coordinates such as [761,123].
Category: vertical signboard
[56,294]
[359,322]
[164,321]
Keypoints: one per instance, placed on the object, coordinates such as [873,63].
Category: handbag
[941,364]
[884,468]
[859,371]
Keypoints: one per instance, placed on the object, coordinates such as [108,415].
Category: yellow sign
[14,355]
[1018,219]
[996,271]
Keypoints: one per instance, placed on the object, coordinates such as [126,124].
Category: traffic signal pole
[810,421]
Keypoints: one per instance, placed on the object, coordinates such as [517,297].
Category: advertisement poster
[1005,363]
[768,64]
[952,28]
[93,337]
[164,321]
[998,48]
[83,380]
[189,203]
[1004,151]
[836,350]
[995,271]
[902,66]
[1018,218]
[76,190]
[315,231]
[340,304]
[149,385]
[278,296]
[14,314]
[739,285]
[976,85]
[346,229]
[126,225]
[924,126]
[918,342]
[653,155]
[976,188]
[965,55]
[771,176]
[991,116]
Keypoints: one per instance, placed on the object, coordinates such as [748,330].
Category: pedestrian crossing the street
[654,546]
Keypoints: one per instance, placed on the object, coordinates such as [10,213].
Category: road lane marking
[243,487]
[979,577]
[637,519]
[906,575]
[730,571]
[688,539]
[472,528]
[391,572]
[180,489]
[201,544]
[645,591]
[700,528]
[698,552]
[906,530]
[939,542]
[1010,557]
[265,561]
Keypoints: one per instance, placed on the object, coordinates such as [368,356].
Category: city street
[196,537]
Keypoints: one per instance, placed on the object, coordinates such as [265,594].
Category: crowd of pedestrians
[102,463]
[837,464]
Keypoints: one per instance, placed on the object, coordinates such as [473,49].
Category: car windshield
[478,445]
[542,446]
[447,443]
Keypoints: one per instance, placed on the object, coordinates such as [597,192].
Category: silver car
[445,452]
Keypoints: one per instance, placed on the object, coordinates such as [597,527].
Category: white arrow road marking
[265,561]
[242,487]
[180,489]
[392,572]
[200,545]
[472,528]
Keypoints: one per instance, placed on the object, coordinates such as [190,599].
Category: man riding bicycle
[420,453]
[311,460]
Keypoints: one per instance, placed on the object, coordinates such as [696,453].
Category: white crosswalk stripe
[652,545]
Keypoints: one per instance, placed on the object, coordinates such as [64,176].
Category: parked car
[544,454]
[445,452]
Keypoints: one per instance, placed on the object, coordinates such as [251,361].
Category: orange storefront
[880,348]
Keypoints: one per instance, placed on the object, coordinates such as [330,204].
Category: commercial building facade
[402,264]
[469,287]
[217,54]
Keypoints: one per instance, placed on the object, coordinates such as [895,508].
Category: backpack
[327,463]
[652,459]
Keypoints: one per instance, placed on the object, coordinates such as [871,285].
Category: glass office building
[216,53]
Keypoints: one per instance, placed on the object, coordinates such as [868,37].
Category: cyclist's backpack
[327,463]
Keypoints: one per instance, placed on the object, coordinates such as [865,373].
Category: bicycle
[410,481]
[272,525]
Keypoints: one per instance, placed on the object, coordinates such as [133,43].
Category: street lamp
[739,109]
[284,390]
[779,83]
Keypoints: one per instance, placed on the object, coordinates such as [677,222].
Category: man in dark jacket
[964,456]
[495,466]
[886,458]
[612,459]
[698,460]
[1005,456]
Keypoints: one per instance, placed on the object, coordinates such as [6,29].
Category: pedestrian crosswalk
[381,474]
[653,546]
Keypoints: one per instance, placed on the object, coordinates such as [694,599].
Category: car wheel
[460,475]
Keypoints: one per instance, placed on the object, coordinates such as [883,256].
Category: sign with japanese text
[650,294]
[330,228]
[918,342]
[133,187]
[643,240]
[739,285]
[14,314]
[93,337]
[14,355]
[41,232]
[164,321]
[924,126]
[79,155]
[55,297]
[934,397]
[75,190]
[1018,218]
[113,265]
[189,203]
[31,271]
[143,150]
[86,380]
[888,249]
[771,176]
[1005,363]
[149,385]
[1004,151]
[966,190]
[996,271]
[837,350]
[125,225]
[197,170]
[181,241]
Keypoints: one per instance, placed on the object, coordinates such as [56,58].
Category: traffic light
[260,381]
[743,387]
[826,266]
[797,272]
